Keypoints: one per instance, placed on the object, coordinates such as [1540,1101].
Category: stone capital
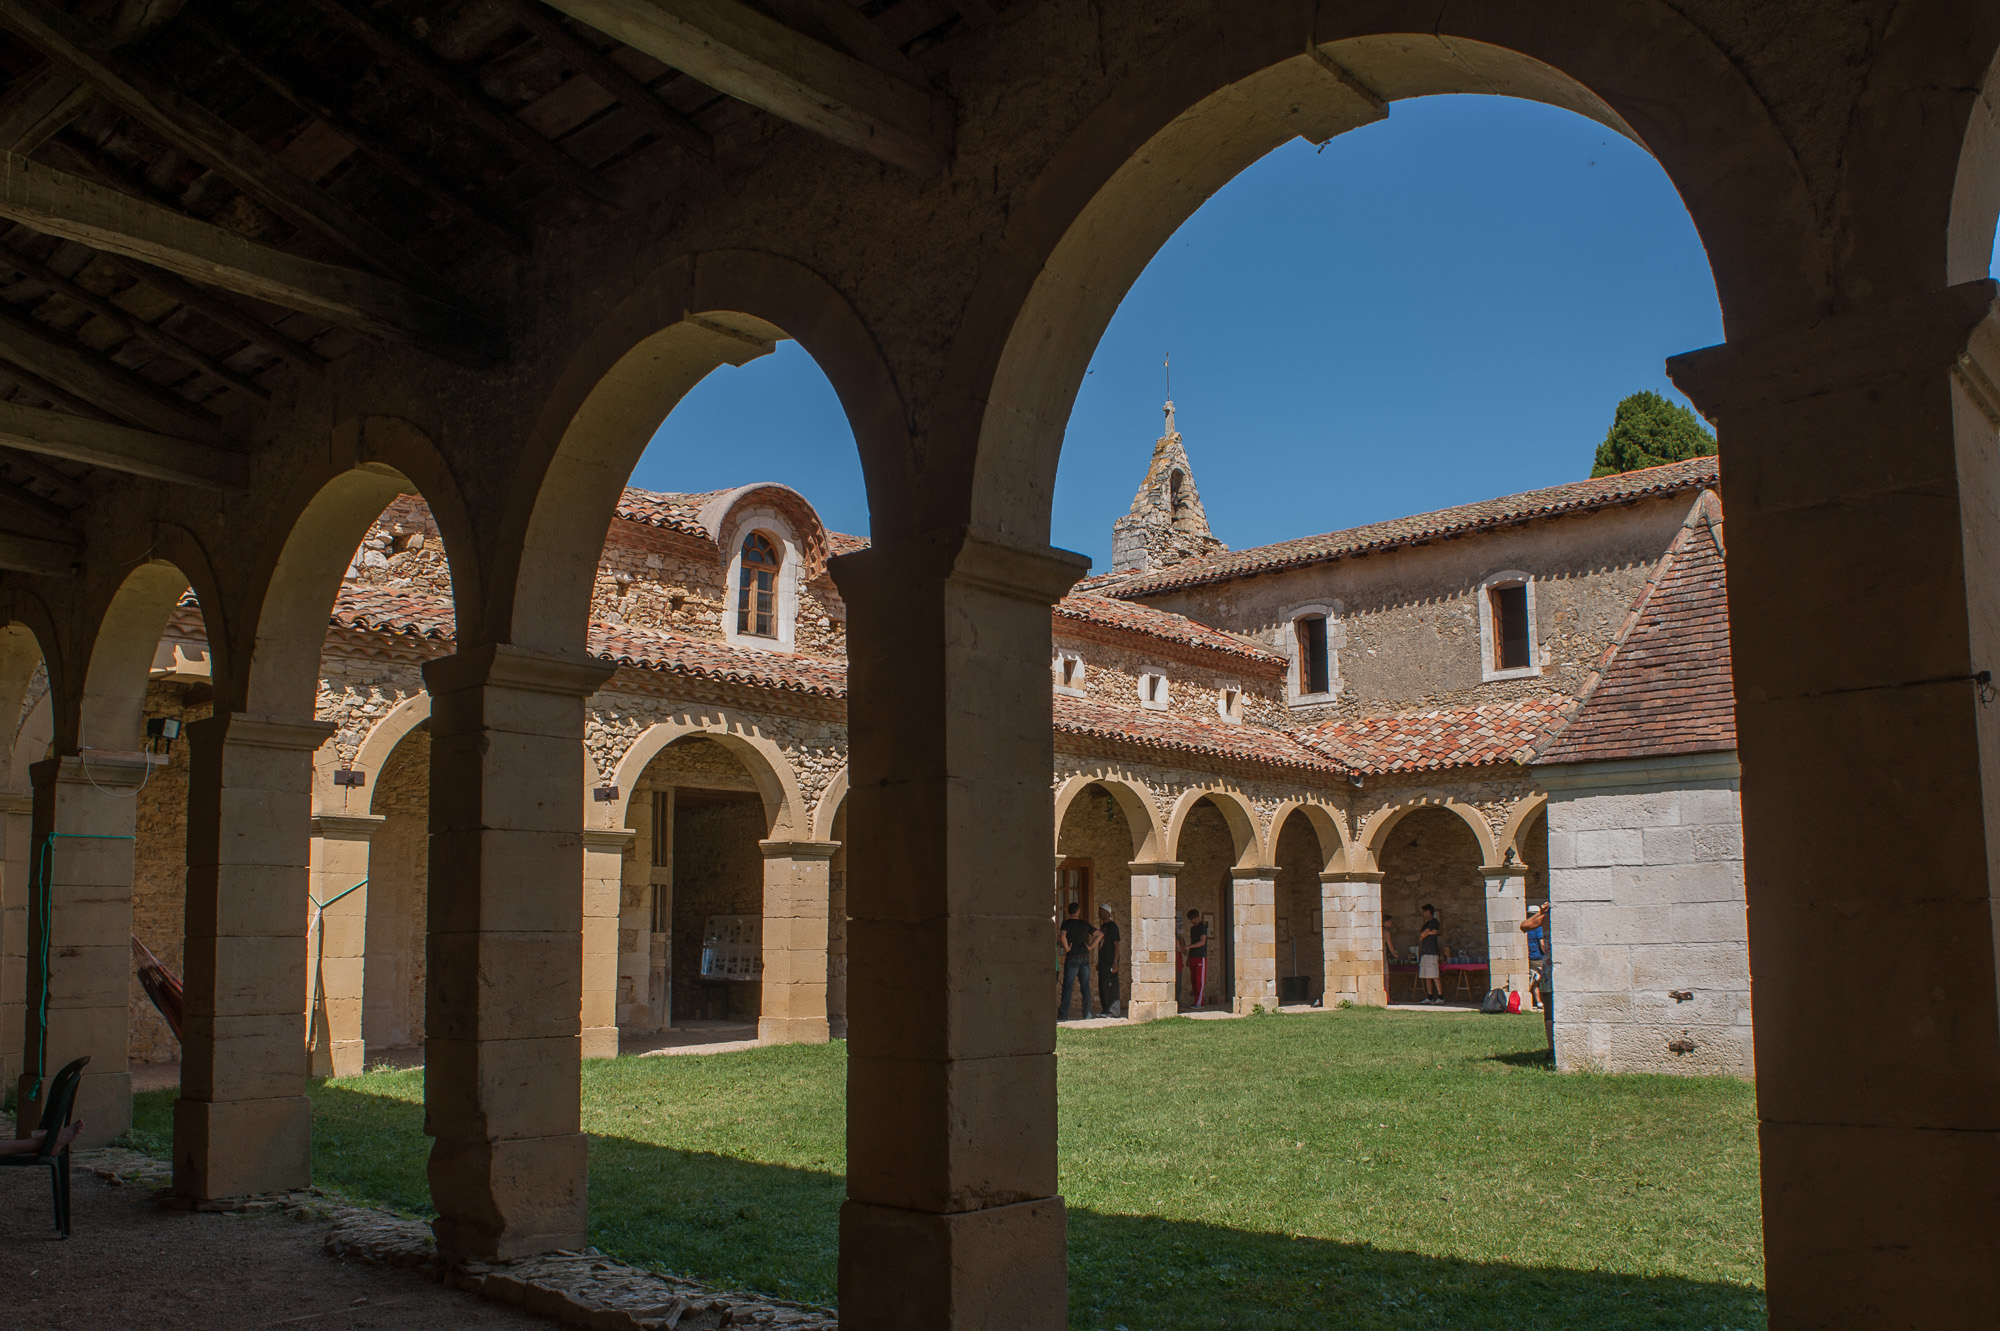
[17,803]
[798,850]
[262,732]
[347,826]
[1158,868]
[1504,870]
[504,666]
[1948,329]
[959,555]
[1255,871]
[1351,876]
[106,768]
[608,838]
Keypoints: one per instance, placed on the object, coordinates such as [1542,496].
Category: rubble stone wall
[392,1009]
[159,871]
[1432,856]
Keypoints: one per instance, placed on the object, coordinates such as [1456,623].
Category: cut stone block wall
[1646,877]
[392,1010]
[159,872]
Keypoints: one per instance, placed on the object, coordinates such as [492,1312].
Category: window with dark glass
[757,588]
[1510,627]
[1313,677]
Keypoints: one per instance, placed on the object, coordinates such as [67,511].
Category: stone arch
[1519,819]
[371,757]
[777,783]
[1218,99]
[827,812]
[684,321]
[1374,833]
[20,656]
[1327,825]
[1236,811]
[1133,798]
[111,709]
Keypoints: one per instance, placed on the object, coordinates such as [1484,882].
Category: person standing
[1076,938]
[1428,937]
[1536,927]
[1109,935]
[1197,957]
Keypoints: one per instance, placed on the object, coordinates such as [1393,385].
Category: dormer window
[1153,694]
[1507,627]
[1229,703]
[1314,675]
[757,588]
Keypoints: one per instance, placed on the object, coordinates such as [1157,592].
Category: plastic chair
[56,1107]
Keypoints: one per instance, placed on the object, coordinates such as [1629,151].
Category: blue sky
[1438,308]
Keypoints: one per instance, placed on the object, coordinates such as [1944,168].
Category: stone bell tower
[1166,525]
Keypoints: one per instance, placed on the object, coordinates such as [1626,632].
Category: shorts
[1427,966]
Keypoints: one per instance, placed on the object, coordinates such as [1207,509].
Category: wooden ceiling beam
[207,138]
[59,204]
[459,90]
[750,56]
[160,339]
[27,501]
[21,553]
[64,485]
[609,75]
[39,103]
[77,370]
[412,171]
[213,307]
[162,457]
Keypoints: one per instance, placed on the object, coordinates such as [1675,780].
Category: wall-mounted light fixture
[349,776]
[604,794]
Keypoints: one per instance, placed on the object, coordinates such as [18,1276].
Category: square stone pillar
[242,1124]
[1255,920]
[1506,907]
[952,1218]
[1862,510]
[16,835]
[797,887]
[80,870]
[1351,937]
[504,992]
[1150,949]
[337,932]
[605,851]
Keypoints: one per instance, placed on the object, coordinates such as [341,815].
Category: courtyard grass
[1354,1168]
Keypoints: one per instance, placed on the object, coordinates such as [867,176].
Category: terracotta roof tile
[1134,617]
[1487,515]
[708,658]
[1428,741]
[1174,733]
[660,508]
[1665,685]
[398,610]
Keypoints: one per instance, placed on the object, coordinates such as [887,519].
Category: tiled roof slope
[657,508]
[1665,686]
[1487,515]
[1134,617]
[1430,741]
[398,610]
[1172,733]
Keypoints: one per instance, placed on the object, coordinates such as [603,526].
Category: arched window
[757,588]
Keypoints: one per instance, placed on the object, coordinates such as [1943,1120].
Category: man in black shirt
[1076,938]
[1428,937]
[1108,937]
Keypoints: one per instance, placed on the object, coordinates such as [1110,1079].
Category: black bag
[1496,1001]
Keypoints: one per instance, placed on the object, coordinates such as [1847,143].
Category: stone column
[1345,940]
[797,886]
[1364,918]
[504,993]
[1863,522]
[1151,947]
[1506,907]
[16,834]
[1255,921]
[87,869]
[952,1218]
[243,1124]
[605,851]
[339,869]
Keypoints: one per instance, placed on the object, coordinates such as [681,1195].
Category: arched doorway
[1096,844]
[1301,860]
[1431,857]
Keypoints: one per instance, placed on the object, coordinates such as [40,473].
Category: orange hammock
[162,985]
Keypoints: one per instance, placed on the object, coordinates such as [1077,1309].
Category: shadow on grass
[1523,1058]
[773,1229]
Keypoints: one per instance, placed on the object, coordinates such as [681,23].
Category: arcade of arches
[498,322]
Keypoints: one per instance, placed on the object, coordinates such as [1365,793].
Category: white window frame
[1336,638]
[1164,698]
[1223,692]
[1075,690]
[772,524]
[1536,656]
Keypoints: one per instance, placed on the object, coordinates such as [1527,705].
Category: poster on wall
[732,947]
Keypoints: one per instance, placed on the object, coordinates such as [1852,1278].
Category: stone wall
[392,1010]
[718,870]
[1650,943]
[1431,856]
[159,871]
[1111,675]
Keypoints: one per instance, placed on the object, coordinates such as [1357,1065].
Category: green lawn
[1355,1168]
